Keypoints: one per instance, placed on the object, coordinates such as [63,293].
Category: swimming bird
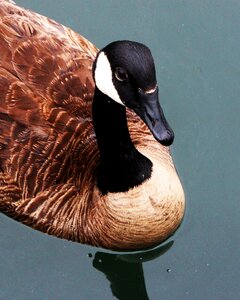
[83,139]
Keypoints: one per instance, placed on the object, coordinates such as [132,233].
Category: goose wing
[46,90]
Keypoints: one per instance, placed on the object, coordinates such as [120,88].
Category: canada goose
[83,157]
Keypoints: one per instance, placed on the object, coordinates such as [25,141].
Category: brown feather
[48,150]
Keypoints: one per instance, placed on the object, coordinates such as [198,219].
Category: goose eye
[121,74]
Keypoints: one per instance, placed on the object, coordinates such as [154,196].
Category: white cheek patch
[103,78]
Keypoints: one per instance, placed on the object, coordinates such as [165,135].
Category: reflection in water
[125,271]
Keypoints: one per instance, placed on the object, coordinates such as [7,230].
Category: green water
[196,45]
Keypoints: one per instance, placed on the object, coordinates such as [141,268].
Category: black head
[125,72]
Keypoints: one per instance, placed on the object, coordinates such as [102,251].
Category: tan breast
[145,215]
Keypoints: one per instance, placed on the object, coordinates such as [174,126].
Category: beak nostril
[151,113]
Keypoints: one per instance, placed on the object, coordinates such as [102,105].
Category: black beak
[150,111]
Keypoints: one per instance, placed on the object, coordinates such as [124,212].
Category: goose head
[125,72]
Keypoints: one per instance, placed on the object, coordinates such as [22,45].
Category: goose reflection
[125,271]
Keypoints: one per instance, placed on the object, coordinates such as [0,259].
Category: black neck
[122,166]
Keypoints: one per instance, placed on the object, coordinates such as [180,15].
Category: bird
[84,143]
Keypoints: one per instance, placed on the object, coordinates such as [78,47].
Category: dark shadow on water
[125,271]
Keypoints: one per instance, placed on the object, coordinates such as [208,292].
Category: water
[196,48]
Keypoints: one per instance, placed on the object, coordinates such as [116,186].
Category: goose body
[79,159]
